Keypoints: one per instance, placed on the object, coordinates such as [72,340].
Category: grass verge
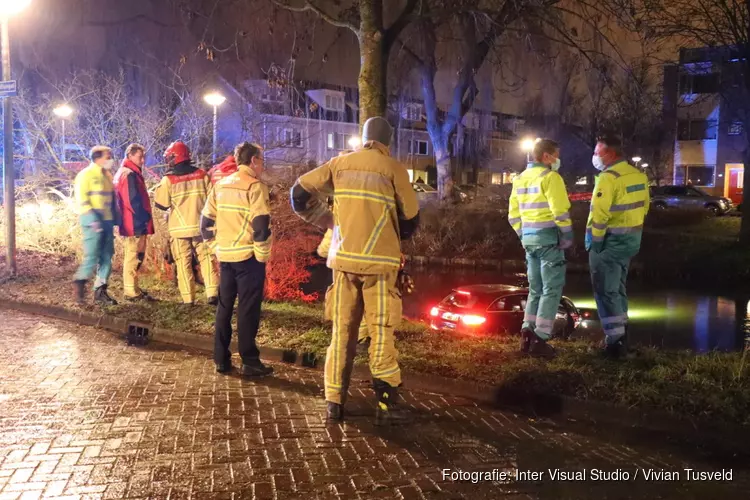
[714,386]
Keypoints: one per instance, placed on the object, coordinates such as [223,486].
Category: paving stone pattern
[84,416]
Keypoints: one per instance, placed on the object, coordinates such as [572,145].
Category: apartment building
[708,139]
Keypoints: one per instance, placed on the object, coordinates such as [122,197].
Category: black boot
[527,336]
[388,411]
[334,412]
[539,348]
[80,291]
[256,370]
[618,349]
[102,297]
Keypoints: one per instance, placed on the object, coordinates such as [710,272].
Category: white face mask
[596,160]
[108,164]
[555,165]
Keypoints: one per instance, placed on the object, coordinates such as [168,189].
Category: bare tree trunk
[443,160]
[745,224]
[372,75]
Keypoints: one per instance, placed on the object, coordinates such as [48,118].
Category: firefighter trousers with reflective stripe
[376,298]
[98,250]
[135,250]
[182,249]
[609,273]
[545,268]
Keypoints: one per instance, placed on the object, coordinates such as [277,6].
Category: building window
[699,84]
[696,130]
[418,148]
[735,128]
[497,178]
[493,123]
[497,150]
[334,102]
[412,112]
[338,141]
[290,137]
[696,175]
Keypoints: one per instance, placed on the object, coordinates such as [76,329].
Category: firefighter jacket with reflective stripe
[374,208]
[95,194]
[539,207]
[133,203]
[325,244]
[238,215]
[618,208]
[183,192]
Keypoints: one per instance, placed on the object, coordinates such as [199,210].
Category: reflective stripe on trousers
[182,250]
[609,274]
[546,273]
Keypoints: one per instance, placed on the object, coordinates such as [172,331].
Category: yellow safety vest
[619,206]
[539,207]
[94,192]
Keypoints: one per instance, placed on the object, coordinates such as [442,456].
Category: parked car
[497,310]
[582,193]
[688,198]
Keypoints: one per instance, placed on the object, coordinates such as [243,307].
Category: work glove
[404,283]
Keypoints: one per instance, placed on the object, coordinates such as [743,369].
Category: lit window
[334,102]
[497,178]
[290,137]
[412,112]
[338,141]
[697,175]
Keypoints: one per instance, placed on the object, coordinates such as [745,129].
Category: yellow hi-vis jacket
[539,207]
[184,194]
[95,193]
[619,206]
[239,208]
[374,208]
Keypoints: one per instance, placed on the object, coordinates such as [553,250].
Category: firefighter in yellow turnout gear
[613,236]
[183,192]
[375,207]
[539,213]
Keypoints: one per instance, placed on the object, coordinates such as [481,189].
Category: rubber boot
[388,411]
[334,412]
[617,350]
[102,297]
[527,336]
[539,348]
[80,291]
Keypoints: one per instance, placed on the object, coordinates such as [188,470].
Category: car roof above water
[493,290]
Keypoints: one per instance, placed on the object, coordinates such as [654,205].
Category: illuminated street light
[63,111]
[644,165]
[7,9]
[355,142]
[214,99]
[10,7]
[528,146]
[636,160]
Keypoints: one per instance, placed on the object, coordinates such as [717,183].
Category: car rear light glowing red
[434,311]
[473,320]
[586,315]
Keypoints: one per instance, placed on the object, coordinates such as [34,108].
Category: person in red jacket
[136,221]
[223,169]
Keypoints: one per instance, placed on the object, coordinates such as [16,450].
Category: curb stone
[539,405]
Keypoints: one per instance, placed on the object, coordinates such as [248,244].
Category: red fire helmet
[177,152]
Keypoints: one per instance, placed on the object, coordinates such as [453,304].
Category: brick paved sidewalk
[84,416]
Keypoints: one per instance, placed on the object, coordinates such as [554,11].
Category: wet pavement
[84,416]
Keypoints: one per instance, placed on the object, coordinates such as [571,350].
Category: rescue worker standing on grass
[375,208]
[619,206]
[539,213]
[97,210]
[237,216]
[183,191]
[136,222]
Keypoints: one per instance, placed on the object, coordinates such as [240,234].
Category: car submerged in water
[499,310]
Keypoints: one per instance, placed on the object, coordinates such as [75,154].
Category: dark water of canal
[666,316]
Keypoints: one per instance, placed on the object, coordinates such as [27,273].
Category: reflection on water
[668,318]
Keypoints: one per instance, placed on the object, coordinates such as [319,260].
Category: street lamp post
[636,160]
[8,8]
[215,100]
[63,111]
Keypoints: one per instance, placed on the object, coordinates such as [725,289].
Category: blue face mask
[596,160]
[555,165]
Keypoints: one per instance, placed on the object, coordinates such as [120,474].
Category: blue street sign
[9,88]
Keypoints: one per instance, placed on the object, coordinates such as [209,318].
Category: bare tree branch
[312,7]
